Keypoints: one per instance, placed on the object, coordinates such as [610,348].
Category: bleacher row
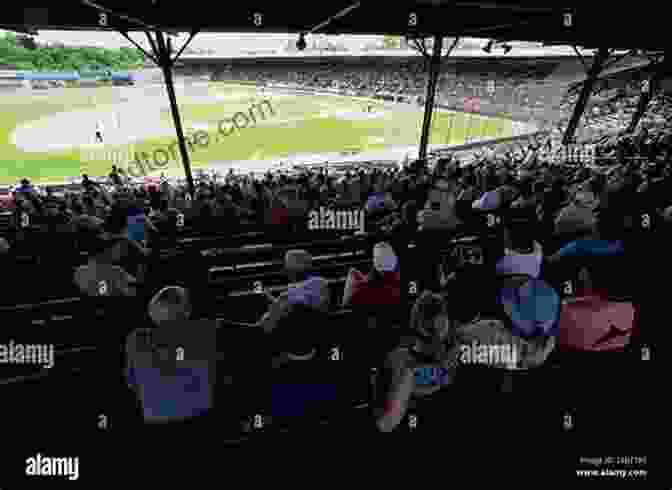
[234,278]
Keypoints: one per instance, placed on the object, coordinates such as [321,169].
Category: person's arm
[141,253]
[570,250]
[277,310]
[131,356]
[488,202]
[348,289]
[127,283]
[150,226]
[399,367]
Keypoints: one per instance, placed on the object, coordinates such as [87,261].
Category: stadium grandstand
[398,246]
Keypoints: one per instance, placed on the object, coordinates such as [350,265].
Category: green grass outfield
[297,124]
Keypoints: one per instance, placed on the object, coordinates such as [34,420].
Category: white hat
[384,258]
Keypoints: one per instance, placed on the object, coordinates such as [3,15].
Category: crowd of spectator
[568,259]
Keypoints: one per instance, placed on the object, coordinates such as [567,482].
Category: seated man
[522,253]
[171,367]
[305,288]
[496,197]
[440,209]
[304,385]
[603,240]
[101,277]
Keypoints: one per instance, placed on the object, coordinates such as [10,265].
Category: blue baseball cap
[533,308]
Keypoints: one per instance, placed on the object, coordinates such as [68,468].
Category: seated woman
[120,249]
[381,287]
[423,363]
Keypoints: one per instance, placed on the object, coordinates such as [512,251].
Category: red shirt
[363,294]
[279,216]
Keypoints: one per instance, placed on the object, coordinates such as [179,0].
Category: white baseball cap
[384,258]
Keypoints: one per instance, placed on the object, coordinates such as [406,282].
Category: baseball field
[50,135]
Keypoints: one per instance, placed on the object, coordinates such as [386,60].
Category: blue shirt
[188,396]
[376,202]
[136,225]
[308,388]
[301,399]
[432,376]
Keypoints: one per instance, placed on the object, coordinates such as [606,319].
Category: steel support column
[162,53]
[161,56]
[661,70]
[586,89]
[434,68]
[643,102]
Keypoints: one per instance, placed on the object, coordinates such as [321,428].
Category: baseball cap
[574,219]
[533,308]
[384,258]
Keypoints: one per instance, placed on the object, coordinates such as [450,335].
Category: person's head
[409,211]
[469,180]
[384,259]
[77,209]
[298,264]
[492,182]
[297,332]
[525,188]
[117,221]
[522,233]
[430,319]
[52,209]
[4,247]
[88,201]
[443,193]
[172,303]
[596,185]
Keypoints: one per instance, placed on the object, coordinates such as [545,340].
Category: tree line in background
[19,52]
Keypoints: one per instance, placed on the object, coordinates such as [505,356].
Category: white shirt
[99,126]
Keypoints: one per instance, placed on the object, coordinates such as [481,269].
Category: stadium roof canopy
[590,24]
